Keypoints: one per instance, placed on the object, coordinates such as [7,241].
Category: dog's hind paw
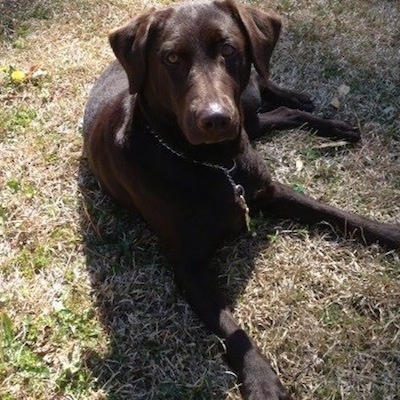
[301,101]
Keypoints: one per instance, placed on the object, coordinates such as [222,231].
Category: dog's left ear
[262,31]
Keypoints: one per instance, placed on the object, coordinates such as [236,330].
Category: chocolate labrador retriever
[167,131]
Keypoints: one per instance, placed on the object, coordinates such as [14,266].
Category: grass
[88,309]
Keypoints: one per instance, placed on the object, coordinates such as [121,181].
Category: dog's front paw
[345,131]
[259,381]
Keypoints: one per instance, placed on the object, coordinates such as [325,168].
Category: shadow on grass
[157,347]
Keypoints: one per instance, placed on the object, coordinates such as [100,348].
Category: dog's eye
[172,58]
[227,50]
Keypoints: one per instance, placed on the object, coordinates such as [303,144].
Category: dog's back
[111,84]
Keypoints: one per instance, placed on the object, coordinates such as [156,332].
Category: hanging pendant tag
[239,191]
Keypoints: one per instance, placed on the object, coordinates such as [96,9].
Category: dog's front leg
[284,202]
[257,378]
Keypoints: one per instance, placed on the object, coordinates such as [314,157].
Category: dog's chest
[215,201]
[196,194]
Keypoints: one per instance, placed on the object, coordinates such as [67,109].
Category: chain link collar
[238,190]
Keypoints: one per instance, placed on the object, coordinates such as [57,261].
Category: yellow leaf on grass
[18,76]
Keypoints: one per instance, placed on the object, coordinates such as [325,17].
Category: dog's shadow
[157,346]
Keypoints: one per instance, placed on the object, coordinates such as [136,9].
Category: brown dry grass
[88,310]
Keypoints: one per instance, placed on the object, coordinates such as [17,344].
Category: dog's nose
[214,118]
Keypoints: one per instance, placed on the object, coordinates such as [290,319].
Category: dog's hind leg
[284,202]
[274,96]
[288,118]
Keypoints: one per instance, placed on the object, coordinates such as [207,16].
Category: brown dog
[167,130]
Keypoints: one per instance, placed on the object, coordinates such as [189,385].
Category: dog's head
[190,63]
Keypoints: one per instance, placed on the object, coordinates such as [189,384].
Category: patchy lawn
[88,309]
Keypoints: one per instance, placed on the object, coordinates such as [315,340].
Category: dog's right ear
[129,44]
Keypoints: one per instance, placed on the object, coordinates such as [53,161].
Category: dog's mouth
[198,139]
[210,142]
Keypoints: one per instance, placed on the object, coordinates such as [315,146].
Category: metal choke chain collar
[237,189]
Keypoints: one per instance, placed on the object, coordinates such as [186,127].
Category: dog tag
[242,201]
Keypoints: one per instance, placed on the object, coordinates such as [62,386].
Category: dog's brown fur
[167,130]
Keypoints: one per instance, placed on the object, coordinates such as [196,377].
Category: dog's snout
[214,118]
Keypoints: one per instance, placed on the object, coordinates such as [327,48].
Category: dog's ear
[262,31]
[129,44]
